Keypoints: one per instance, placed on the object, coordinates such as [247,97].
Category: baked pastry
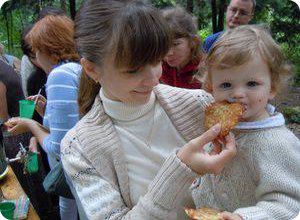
[228,114]
[203,214]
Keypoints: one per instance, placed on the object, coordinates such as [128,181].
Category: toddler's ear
[272,94]
[207,86]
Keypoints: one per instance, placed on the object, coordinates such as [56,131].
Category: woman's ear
[90,69]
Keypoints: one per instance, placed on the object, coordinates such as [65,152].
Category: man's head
[239,12]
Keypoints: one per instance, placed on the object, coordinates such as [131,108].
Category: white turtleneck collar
[125,112]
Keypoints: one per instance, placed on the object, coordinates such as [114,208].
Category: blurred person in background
[28,62]
[52,40]
[182,62]
[11,60]
[239,12]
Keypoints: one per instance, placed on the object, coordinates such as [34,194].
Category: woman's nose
[153,75]
[170,52]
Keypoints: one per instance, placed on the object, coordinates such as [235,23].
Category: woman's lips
[143,92]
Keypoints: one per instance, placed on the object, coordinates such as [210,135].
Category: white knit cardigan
[95,167]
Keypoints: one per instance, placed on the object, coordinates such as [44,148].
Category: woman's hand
[33,145]
[18,125]
[201,162]
[40,104]
[230,216]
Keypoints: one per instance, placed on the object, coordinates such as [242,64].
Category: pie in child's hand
[225,113]
[203,214]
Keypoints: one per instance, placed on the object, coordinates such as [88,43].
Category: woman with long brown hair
[120,159]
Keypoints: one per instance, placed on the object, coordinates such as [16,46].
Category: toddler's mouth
[233,100]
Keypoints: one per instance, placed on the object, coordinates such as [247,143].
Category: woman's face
[33,60]
[132,86]
[179,54]
[44,61]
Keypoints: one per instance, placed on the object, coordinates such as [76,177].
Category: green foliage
[163,3]
[292,114]
[293,56]
[204,33]
[283,18]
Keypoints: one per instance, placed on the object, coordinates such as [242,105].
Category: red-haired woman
[52,40]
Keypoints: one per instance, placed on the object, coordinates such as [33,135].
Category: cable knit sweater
[95,167]
[263,180]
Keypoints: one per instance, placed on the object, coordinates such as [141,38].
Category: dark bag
[55,182]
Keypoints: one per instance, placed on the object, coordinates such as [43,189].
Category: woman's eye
[225,85]
[252,83]
[133,71]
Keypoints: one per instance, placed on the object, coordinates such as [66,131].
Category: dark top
[14,93]
[35,82]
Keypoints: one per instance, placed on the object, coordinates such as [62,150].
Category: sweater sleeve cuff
[252,213]
[171,183]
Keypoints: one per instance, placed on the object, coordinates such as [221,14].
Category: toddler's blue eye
[225,85]
[252,83]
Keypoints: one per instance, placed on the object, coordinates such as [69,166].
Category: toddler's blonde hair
[239,45]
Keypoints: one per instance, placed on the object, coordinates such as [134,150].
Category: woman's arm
[62,108]
[20,125]
[101,198]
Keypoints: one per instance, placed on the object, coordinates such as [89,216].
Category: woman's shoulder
[167,92]
[176,90]
[64,73]
[70,68]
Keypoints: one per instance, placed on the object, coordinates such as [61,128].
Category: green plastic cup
[7,209]
[26,108]
[32,162]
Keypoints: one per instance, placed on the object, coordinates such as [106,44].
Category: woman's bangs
[143,39]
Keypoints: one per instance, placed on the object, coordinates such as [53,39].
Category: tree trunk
[63,5]
[11,45]
[7,29]
[72,8]
[222,9]
[189,6]
[214,15]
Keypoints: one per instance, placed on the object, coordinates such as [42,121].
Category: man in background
[239,12]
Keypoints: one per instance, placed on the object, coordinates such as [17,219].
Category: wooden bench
[12,189]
